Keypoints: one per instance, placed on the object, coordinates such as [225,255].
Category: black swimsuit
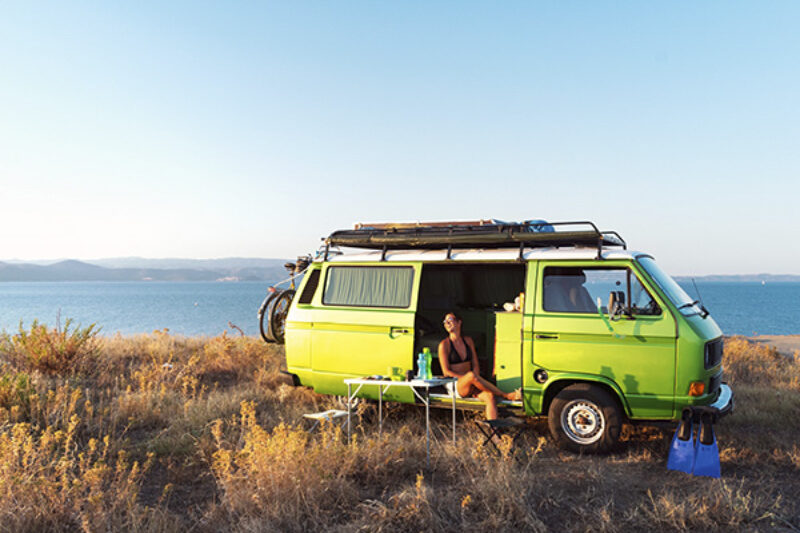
[454,357]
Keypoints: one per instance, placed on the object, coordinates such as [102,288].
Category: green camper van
[599,336]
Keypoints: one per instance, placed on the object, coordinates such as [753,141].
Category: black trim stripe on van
[311,287]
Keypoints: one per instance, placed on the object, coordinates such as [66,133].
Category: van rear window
[368,286]
[310,288]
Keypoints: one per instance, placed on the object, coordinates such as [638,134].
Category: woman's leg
[491,404]
[469,379]
[464,385]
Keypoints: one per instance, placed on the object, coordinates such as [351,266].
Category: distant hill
[269,270]
[224,264]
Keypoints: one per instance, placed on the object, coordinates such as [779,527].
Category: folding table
[384,385]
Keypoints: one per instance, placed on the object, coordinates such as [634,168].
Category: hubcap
[583,421]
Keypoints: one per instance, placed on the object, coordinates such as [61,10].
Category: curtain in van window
[369,286]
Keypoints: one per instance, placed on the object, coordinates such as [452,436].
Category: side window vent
[310,288]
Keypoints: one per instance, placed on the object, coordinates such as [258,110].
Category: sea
[209,308]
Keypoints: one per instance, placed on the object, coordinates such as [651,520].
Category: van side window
[310,288]
[575,290]
[368,286]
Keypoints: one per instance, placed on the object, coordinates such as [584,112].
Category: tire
[264,318]
[278,311]
[585,418]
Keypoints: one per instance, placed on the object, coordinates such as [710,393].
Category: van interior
[476,293]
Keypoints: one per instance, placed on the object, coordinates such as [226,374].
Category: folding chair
[501,426]
[331,415]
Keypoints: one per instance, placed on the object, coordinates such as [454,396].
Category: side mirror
[616,305]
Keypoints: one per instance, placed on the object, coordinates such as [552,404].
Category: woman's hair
[455,315]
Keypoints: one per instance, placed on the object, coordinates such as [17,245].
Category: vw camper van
[603,336]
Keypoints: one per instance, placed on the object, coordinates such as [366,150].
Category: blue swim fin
[681,451]
[706,455]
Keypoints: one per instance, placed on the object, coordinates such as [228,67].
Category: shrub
[285,478]
[16,394]
[52,351]
[747,362]
[225,359]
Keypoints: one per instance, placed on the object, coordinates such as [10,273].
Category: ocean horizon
[208,308]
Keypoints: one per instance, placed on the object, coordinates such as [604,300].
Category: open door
[476,292]
[507,350]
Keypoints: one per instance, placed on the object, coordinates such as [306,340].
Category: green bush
[52,351]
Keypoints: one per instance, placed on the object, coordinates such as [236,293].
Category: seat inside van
[475,292]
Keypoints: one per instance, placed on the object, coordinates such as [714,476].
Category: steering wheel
[650,309]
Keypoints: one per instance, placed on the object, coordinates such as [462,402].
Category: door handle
[399,331]
[546,336]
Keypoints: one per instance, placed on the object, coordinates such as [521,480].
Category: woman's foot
[514,396]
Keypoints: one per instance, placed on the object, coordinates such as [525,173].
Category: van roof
[476,254]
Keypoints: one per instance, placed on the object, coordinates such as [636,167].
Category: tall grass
[50,480]
[166,433]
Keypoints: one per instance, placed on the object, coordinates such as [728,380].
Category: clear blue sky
[202,129]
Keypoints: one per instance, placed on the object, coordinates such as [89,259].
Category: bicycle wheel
[264,317]
[280,308]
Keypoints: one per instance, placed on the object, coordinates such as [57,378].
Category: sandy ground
[786,344]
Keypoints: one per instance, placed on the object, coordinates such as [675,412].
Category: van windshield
[670,287]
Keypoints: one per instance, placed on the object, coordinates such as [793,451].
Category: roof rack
[474,234]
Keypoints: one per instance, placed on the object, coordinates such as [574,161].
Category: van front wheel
[585,418]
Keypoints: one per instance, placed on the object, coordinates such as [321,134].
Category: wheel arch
[562,382]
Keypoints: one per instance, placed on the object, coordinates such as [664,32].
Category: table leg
[454,415]
[428,425]
[349,389]
[380,410]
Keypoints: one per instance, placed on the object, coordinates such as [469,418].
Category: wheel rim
[583,421]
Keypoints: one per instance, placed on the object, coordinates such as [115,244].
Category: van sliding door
[365,325]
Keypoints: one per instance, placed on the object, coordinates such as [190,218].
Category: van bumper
[723,406]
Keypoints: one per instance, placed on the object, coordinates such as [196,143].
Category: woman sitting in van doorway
[458,359]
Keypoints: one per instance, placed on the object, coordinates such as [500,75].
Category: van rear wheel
[585,418]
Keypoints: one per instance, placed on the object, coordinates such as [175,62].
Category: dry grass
[757,364]
[165,433]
